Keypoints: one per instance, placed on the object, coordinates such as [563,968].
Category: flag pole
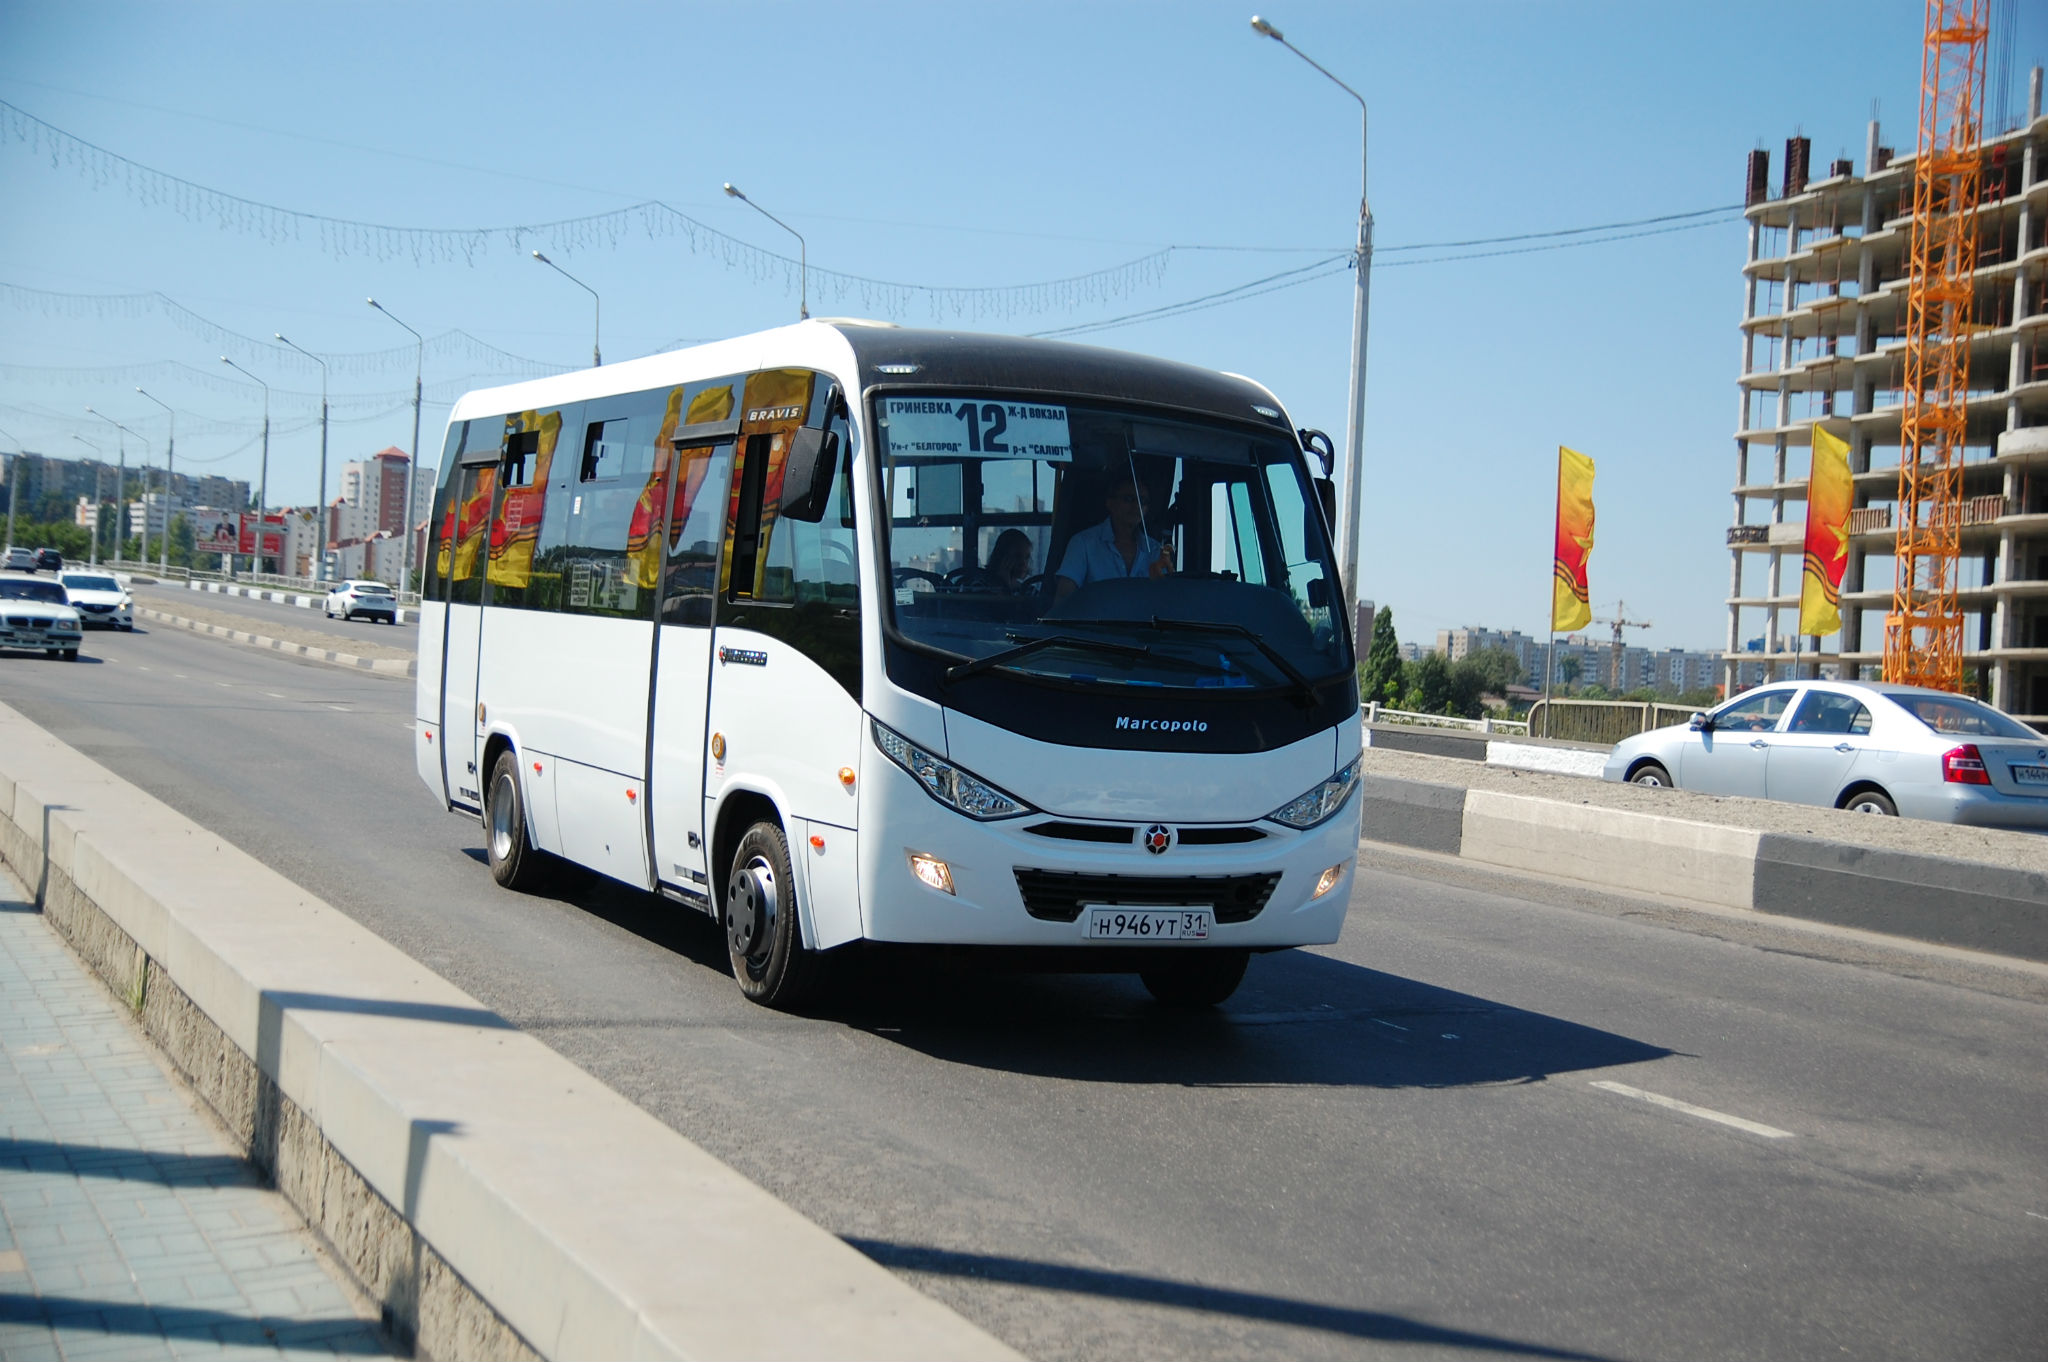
[1549,671]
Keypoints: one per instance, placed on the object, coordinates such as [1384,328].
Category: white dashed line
[2037,1215]
[273,695]
[1704,1113]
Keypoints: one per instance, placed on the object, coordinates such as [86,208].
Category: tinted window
[470,512]
[531,439]
[1959,716]
[32,591]
[441,526]
[79,582]
[1757,713]
[1826,712]
[696,525]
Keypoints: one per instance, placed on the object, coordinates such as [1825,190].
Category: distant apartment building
[1458,644]
[1823,340]
[43,477]
[367,522]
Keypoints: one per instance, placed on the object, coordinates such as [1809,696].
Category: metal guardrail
[1602,721]
[1376,713]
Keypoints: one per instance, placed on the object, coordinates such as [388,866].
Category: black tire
[71,654]
[763,938]
[1201,978]
[1873,802]
[1651,773]
[516,863]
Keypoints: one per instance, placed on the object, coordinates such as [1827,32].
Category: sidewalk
[128,1226]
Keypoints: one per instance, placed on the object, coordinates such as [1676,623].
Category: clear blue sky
[971,145]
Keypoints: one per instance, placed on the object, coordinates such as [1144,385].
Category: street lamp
[14,491]
[803,266]
[263,475]
[412,464]
[1354,453]
[596,354]
[98,463]
[121,488]
[319,502]
[170,473]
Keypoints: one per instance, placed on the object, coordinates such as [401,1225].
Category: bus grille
[1057,895]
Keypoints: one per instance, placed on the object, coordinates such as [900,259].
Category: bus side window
[475,486]
[690,576]
[441,525]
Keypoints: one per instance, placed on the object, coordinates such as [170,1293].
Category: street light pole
[99,461]
[163,544]
[263,474]
[14,489]
[803,264]
[596,353]
[412,464]
[1354,453]
[319,502]
[121,487]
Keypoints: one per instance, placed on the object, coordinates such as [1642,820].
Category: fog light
[1329,879]
[932,872]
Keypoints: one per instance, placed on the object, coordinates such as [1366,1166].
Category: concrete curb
[257,593]
[1556,758]
[1938,899]
[383,666]
[495,1198]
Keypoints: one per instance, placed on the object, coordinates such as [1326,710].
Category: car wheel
[1871,801]
[1201,978]
[515,862]
[1650,773]
[762,935]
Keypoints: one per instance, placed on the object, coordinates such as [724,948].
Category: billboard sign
[216,531]
[262,535]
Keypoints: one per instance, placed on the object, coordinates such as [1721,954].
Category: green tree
[1568,670]
[1426,684]
[1380,677]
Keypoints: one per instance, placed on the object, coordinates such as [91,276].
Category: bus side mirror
[1326,493]
[808,472]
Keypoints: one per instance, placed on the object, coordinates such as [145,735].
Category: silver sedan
[1855,745]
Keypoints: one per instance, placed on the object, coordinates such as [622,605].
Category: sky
[1146,154]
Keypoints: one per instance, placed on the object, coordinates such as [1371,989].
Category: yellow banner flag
[1571,604]
[1828,494]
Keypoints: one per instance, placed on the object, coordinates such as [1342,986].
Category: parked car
[35,614]
[100,598]
[371,600]
[49,560]
[18,560]
[1855,745]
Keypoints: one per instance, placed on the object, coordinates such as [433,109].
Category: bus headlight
[959,790]
[1320,804]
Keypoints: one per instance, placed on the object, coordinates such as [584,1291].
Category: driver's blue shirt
[1092,556]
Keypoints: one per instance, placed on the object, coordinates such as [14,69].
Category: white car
[371,600]
[1854,745]
[100,598]
[35,614]
[19,560]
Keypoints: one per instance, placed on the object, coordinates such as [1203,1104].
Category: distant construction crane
[1620,621]
[1923,633]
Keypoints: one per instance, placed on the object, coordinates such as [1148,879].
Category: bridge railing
[1376,713]
[1602,721]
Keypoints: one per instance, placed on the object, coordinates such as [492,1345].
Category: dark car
[49,560]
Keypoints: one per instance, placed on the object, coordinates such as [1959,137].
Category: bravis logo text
[1163,725]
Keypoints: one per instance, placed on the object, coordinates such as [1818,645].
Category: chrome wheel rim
[750,905]
[503,798]
[1649,778]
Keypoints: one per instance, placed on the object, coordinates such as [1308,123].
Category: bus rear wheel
[1200,978]
[762,935]
[516,863]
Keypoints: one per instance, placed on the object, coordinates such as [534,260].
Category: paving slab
[129,1228]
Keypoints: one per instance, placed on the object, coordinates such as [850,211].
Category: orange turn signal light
[632,795]
[846,776]
[817,842]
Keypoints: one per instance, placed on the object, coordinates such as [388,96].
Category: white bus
[845,632]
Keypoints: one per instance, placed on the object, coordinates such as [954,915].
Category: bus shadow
[1299,1020]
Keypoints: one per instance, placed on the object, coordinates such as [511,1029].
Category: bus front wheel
[1200,978]
[516,863]
[762,935]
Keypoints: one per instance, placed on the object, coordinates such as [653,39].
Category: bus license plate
[1148,924]
[2030,775]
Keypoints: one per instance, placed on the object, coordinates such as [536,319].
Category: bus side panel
[458,741]
[426,706]
[830,862]
[599,814]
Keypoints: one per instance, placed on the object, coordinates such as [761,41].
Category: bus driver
[1116,547]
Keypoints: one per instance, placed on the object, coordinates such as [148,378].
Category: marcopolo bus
[845,632]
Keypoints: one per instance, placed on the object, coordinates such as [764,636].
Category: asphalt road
[1392,1147]
[179,600]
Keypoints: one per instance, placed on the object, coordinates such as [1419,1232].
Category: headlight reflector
[1320,804]
[958,790]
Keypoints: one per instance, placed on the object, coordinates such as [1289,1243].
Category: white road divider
[495,1198]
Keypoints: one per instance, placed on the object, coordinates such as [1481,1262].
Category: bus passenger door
[476,489]
[694,526]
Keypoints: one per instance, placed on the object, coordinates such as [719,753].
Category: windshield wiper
[1302,685]
[964,670]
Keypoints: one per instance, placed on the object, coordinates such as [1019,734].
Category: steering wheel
[903,575]
[1033,586]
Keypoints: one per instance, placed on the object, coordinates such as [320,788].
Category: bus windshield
[1078,541]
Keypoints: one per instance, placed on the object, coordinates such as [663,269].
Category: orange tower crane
[1620,622]
[1923,633]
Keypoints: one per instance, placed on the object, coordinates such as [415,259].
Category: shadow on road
[1373,1324]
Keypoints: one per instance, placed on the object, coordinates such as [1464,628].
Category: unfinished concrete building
[1823,329]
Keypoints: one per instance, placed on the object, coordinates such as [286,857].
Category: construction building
[1823,339]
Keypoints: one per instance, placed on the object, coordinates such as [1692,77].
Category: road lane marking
[1704,1113]
[273,695]
[2037,1215]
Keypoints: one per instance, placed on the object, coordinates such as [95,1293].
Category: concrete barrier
[1992,895]
[496,1199]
